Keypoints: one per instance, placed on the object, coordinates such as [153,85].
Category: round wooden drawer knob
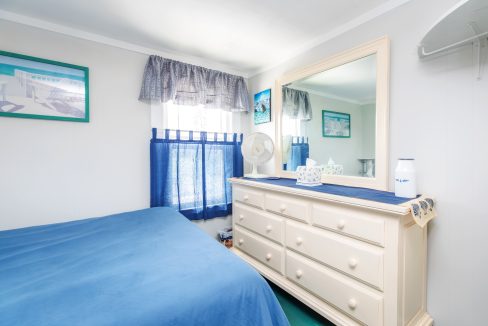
[268,256]
[299,241]
[299,273]
[353,263]
[241,241]
[246,198]
[282,208]
[341,224]
[352,304]
[269,228]
[241,217]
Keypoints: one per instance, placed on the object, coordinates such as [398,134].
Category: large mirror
[336,114]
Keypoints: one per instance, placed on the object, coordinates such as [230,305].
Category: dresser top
[364,197]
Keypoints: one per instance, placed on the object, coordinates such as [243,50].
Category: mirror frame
[380,47]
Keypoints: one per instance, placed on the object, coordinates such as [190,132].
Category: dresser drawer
[358,259]
[354,299]
[256,220]
[248,196]
[263,250]
[353,222]
[287,206]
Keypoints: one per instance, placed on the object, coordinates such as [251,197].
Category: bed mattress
[148,267]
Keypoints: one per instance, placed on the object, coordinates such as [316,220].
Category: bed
[148,267]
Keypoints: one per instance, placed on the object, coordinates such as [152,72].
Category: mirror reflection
[330,118]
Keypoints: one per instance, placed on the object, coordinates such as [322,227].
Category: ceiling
[243,36]
[353,82]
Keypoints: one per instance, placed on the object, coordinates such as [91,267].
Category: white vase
[405,178]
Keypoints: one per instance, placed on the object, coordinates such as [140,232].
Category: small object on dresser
[423,210]
[405,178]
[310,174]
[225,237]
[332,168]
[367,167]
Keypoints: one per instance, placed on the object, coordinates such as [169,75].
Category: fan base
[256,175]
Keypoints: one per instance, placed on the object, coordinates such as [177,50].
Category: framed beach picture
[262,107]
[37,88]
[336,124]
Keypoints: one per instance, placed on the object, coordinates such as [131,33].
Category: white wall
[438,115]
[54,171]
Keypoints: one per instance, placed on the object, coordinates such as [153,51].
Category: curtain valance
[169,80]
[296,104]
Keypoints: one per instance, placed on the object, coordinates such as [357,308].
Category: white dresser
[355,262]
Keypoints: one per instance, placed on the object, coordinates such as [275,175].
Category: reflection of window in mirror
[330,118]
[291,127]
[295,147]
[295,113]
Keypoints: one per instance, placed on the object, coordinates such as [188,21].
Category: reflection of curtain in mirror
[299,152]
[296,108]
[296,104]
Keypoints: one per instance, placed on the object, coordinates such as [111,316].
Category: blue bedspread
[149,267]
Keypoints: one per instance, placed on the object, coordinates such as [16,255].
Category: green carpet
[297,313]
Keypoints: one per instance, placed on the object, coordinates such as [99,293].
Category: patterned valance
[184,84]
[296,104]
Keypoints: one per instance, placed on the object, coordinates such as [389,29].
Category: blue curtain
[191,174]
[299,153]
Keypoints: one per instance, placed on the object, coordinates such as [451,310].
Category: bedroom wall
[53,171]
[438,114]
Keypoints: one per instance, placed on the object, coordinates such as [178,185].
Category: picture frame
[262,107]
[336,124]
[37,88]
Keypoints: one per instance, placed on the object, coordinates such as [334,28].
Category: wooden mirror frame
[380,47]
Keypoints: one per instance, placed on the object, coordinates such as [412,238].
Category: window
[290,127]
[197,118]
[193,155]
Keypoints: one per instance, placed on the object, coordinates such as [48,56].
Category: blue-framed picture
[262,107]
[38,88]
[336,124]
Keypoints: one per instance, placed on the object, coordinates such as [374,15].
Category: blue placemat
[355,192]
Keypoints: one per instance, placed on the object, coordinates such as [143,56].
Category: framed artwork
[37,88]
[262,107]
[336,124]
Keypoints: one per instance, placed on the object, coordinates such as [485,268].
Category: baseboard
[422,318]
[425,320]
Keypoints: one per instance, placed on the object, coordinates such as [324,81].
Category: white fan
[257,149]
